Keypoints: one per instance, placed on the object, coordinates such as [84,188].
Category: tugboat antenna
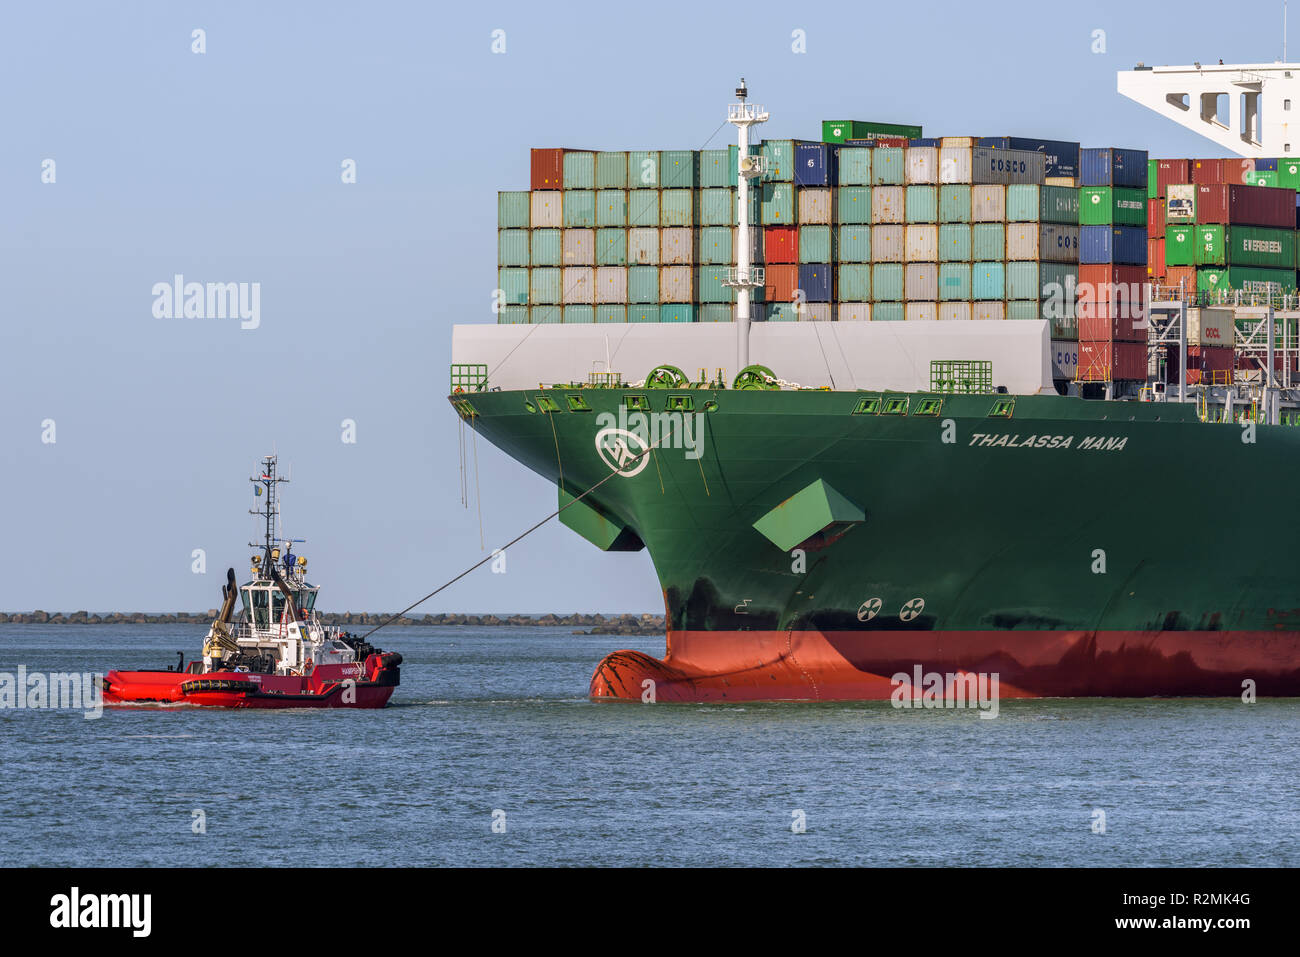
[268,480]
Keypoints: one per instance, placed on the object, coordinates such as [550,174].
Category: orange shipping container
[781,282]
[548,169]
[1108,361]
[1155,259]
[1156,217]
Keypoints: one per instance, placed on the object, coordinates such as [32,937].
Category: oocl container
[1210,327]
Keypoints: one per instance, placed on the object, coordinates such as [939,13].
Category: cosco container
[643,169]
[678,169]
[512,247]
[513,283]
[547,247]
[547,209]
[888,166]
[814,205]
[1112,206]
[777,204]
[954,282]
[954,204]
[853,244]
[1065,359]
[1113,244]
[955,242]
[611,247]
[1026,202]
[988,280]
[579,247]
[886,282]
[855,166]
[1060,157]
[611,284]
[853,283]
[814,164]
[643,246]
[1113,167]
[984,165]
[643,284]
[887,243]
[921,204]
[887,204]
[643,207]
[579,170]
[611,171]
[815,244]
[512,210]
[1052,242]
[611,207]
[854,204]
[677,246]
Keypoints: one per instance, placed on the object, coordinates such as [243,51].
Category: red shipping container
[1184,275]
[1207,171]
[781,282]
[1155,259]
[1156,217]
[1238,170]
[780,244]
[548,169]
[1170,172]
[891,140]
[1102,285]
[1107,361]
[1246,206]
[1125,328]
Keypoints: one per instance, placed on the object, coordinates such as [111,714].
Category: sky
[128,437]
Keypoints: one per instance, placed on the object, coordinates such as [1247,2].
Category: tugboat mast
[268,480]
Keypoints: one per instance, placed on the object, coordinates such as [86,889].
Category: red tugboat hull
[328,686]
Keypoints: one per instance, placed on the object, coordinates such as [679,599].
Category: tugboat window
[259,607]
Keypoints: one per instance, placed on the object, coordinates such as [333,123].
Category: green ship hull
[814,544]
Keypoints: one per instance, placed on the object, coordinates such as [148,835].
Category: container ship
[882,402]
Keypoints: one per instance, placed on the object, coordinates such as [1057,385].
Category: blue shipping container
[1060,158]
[1113,167]
[814,164]
[1266,166]
[1124,245]
[815,281]
[928,141]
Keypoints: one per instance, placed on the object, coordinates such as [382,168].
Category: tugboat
[277,654]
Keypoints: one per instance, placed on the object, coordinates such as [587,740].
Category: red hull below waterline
[860,665]
[328,686]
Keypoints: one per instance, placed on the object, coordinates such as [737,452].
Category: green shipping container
[710,281]
[513,247]
[1153,191]
[988,241]
[887,282]
[954,204]
[547,247]
[718,168]
[510,315]
[989,280]
[854,244]
[643,169]
[954,282]
[1180,245]
[888,166]
[777,204]
[643,284]
[921,204]
[611,171]
[717,312]
[715,246]
[513,209]
[611,247]
[815,245]
[545,286]
[579,313]
[888,312]
[1288,173]
[611,207]
[611,313]
[1263,178]
[1246,279]
[580,209]
[677,208]
[837,131]
[579,170]
[1217,245]
[677,312]
[954,243]
[1112,206]
[855,166]
[542,314]
[853,283]
[642,313]
[514,284]
[1028,203]
[717,207]
[780,160]
[643,207]
[854,205]
[1035,280]
[1024,309]
[781,312]
[680,169]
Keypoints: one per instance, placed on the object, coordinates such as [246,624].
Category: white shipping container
[988,204]
[1212,327]
[961,142]
[579,247]
[887,244]
[815,312]
[677,284]
[922,165]
[643,246]
[921,282]
[954,164]
[1065,359]
[1070,181]
[954,310]
[578,285]
[921,244]
[1045,242]
[989,310]
[547,211]
[814,207]
[611,284]
[1180,203]
[887,204]
[921,310]
[855,312]
[678,245]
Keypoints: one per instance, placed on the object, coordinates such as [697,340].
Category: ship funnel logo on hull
[623,451]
